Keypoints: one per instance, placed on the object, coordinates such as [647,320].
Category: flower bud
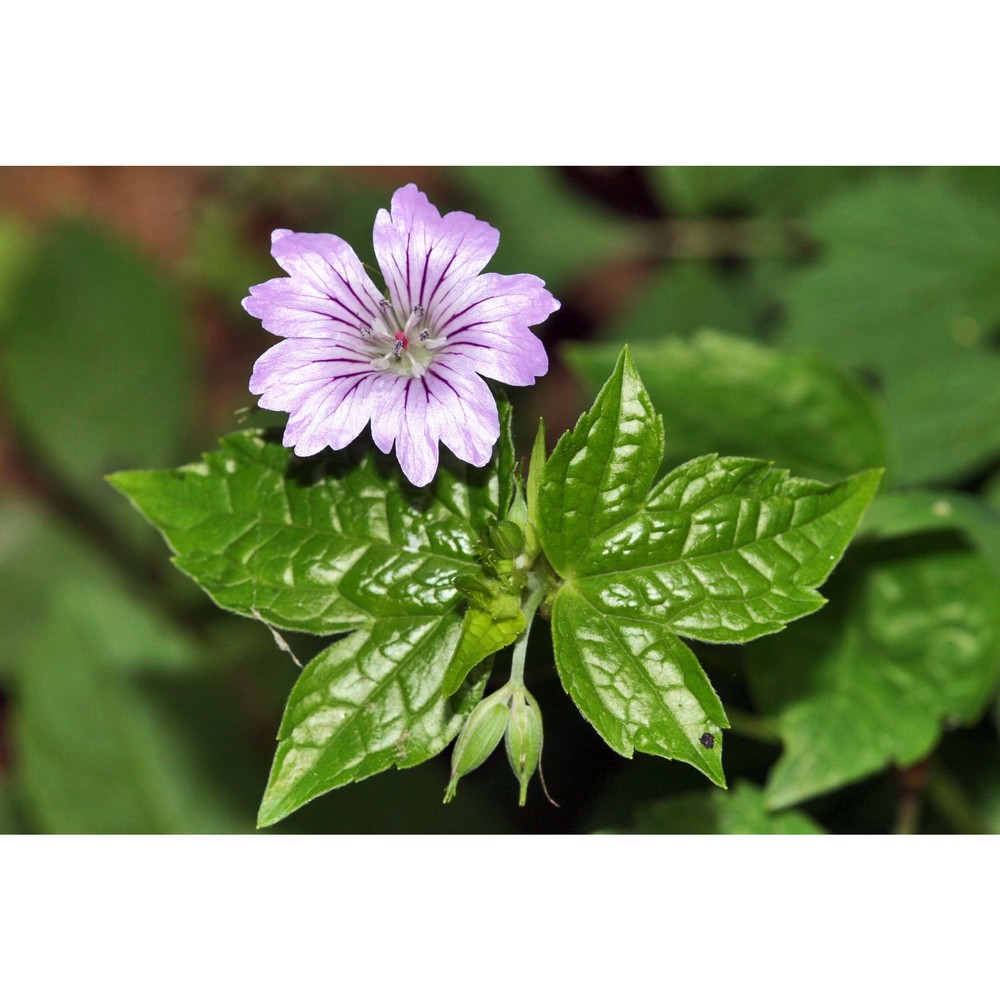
[524,738]
[479,737]
[508,538]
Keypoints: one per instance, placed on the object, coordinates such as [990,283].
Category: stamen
[365,330]
[418,311]
[397,349]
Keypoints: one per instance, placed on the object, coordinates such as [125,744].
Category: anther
[418,311]
[397,349]
[425,335]
[365,329]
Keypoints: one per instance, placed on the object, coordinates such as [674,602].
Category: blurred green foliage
[857,313]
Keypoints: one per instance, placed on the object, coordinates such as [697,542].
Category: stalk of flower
[411,360]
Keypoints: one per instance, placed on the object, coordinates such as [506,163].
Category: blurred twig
[753,727]
[713,238]
[948,798]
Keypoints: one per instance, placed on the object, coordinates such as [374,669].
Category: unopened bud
[479,737]
[508,538]
[524,738]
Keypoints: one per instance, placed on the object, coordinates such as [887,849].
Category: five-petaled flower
[410,359]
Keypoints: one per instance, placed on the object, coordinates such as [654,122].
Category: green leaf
[720,549]
[368,702]
[536,466]
[17,251]
[601,471]
[909,644]
[722,394]
[12,818]
[685,297]
[316,550]
[908,512]
[330,547]
[639,686]
[908,289]
[737,812]
[96,366]
[484,632]
[576,234]
[32,547]
[97,755]
[769,190]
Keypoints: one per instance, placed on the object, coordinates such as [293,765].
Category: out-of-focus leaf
[95,363]
[740,811]
[96,754]
[546,228]
[910,512]
[722,549]
[908,289]
[36,552]
[17,251]
[685,297]
[221,257]
[12,818]
[368,702]
[909,645]
[765,190]
[721,394]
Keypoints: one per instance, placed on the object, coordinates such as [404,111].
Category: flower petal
[466,412]
[328,292]
[486,327]
[325,390]
[402,418]
[424,255]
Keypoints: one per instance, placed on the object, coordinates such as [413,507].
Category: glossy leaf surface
[720,549]
[369,702]
[316,549]
[333,547]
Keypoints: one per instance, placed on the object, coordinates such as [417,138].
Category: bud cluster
[512,714]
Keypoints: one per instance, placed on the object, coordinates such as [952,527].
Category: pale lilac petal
[470,424]
[424,256]
[403,420]
[487,327]
[335,417]
[288,307]
[322,386]
[328,290]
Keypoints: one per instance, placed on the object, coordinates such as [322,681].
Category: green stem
[536,591]
[948,798]
[753,727]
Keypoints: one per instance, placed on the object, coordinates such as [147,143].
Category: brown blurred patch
[152,205]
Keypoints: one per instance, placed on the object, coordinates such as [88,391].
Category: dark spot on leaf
[707,740]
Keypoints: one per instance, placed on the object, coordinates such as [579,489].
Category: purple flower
[411,359]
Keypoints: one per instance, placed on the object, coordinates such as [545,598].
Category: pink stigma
[401,337]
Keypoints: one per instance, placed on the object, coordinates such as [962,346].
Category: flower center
[404,348]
